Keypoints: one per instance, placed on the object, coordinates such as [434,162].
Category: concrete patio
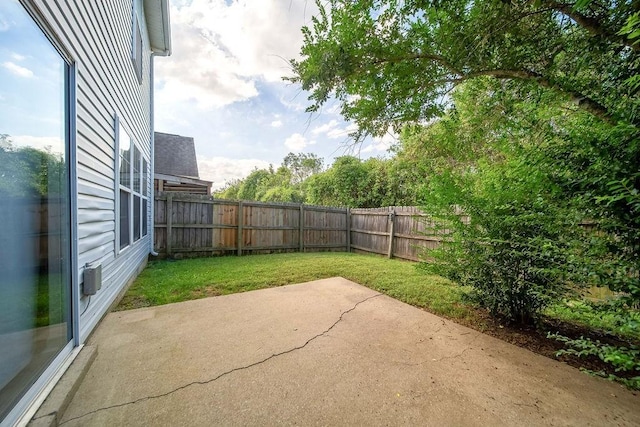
[329,352]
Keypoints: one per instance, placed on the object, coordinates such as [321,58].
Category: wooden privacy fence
[192,225]
[396,231]
[201,225]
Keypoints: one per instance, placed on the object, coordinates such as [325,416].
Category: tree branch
[410,57]
[593,25]
[581,100]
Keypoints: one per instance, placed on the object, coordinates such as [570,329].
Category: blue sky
[223,86]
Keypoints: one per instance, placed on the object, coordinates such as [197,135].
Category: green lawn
[164,282]
[167,281]
[601,316]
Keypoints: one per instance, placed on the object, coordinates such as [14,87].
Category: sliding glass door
[35,276]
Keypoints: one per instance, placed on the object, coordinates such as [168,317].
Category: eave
[156,13]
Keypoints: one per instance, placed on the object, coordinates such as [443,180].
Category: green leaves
[524,115]
[286,184]
[402,59]
[622,359]
[631,29]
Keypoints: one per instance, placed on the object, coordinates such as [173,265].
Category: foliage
[395,62]
[367,183]
[622,359]
[595,166]
[286,184]
[529,168]
[348,182]
[27,171]
[550,136]
[302,166]
[515,252]
[613,316]
[508,232]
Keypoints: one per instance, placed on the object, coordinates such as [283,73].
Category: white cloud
[381,144]
[327,127]
[333,109]
[342,133]
[276,123]
[333,131]
[17,70]
[222,169]
[17,56]
[297,142]
[293,105]
[221,50]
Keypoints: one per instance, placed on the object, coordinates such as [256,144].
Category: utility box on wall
[92,278]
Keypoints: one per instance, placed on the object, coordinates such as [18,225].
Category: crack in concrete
[45,415]
[251,365]
[455,356]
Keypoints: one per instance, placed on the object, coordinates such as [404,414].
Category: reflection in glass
[136,218]
[124,219]
[136,169]
[35,322]
[145,177]
[125,165]
[144,217]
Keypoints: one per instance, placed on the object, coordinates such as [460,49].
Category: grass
[164,282]
[167,281]
[606,317]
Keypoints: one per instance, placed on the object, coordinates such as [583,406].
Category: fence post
[348,213]
[392,218]
[169,208]
[301,232]
[240,231]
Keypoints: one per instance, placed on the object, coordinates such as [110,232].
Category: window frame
[142,194]
[137,43]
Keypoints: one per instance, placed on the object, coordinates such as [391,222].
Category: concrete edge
[52,409]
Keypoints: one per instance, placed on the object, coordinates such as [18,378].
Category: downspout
[165,51]
[152,162]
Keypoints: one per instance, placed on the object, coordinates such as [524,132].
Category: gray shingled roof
[175,155]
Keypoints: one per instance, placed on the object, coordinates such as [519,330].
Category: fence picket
[196,225]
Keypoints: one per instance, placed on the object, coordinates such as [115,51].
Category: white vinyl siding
[98,35]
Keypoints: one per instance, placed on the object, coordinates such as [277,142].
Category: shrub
[621,359]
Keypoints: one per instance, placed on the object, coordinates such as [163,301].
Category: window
[136,45]
[35,208]
[133,188]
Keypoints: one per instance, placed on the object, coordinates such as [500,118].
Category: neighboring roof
[175,155]
[156,13]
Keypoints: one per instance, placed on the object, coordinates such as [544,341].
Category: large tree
[531,114]
[394,61]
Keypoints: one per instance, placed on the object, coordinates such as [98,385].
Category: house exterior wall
[98,37]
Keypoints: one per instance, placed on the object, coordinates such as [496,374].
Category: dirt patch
[535,339]
[207,291]
[129,302]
